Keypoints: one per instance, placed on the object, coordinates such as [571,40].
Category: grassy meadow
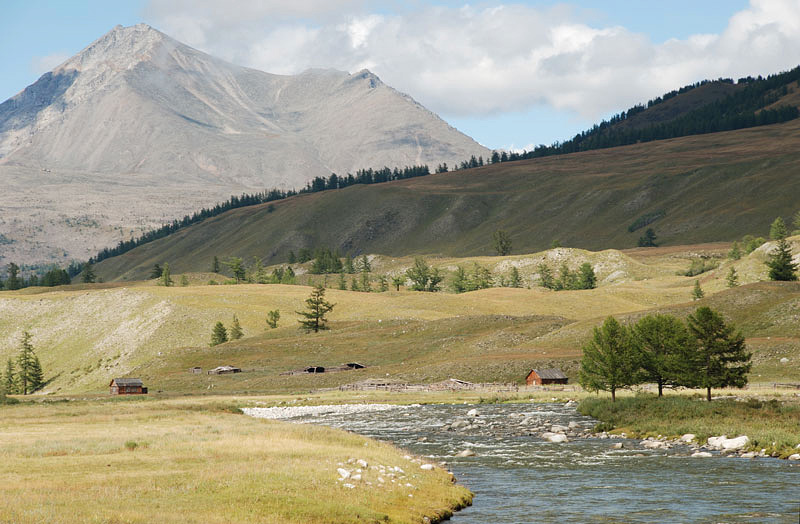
[138,460]
[87,334]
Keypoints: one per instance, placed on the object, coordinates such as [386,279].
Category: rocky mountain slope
[138,129]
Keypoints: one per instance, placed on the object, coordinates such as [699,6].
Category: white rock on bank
[348,486]
[426,467]
[716,442]
[688,437]
[736,443]
[343,473]
[784,360]
[796,456]
[701,454]
[362,463]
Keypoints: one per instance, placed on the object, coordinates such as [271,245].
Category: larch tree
[235,333]
[166,278]
[502,242]
[610,361]
[87,275]
[313,318]
[721,359]
[219,334]
[29,371]
[665,347]
[515,280]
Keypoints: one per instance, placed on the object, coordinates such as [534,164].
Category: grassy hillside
[709,187]
[86,335]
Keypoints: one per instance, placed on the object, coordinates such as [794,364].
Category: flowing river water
[518,478]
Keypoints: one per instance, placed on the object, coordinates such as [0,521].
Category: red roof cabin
[542,377]
[127,386]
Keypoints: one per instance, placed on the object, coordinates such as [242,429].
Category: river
[519,478]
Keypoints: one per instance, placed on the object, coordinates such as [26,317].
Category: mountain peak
[121,46]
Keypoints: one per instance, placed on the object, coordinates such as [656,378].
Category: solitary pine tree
[87,275]
[736,252]
[515,280]
[610,361]
[342,281]
[502,242]
[316,309]
[155,272]
[215,265]
[665,347]
[780,262]
[721,359]
[219,334]
[733,278]
[235,332]
[697,291]
[272,318]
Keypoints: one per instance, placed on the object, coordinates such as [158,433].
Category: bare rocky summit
[138,129]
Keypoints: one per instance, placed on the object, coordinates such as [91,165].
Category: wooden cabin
[127,386]
[224,370]
[541,377]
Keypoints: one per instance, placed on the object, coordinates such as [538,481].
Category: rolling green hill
[708,188]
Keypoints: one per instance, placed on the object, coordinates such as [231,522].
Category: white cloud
[481,61]
[43,64]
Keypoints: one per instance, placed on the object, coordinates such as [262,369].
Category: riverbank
[771,425]
[200,460]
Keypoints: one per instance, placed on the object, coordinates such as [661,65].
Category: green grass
[186,460]
[771,425]
[584,200]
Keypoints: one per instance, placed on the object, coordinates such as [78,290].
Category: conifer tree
[796,223]
[29,372]
[610,360]
[736,252]
[780,263]
[155,272]
[342,281]
[272,318]
[697,291]
[316,309]
[292,257]
[587,278]
[219,334]
[665,348]
[481,278]
[502,242]
[237,268]
[348,265]
[366,286]
[288,276]
[383,284]
[546,276]
[166,279]
[515,280]
[87,275]
[733,278]
[10,378]
[354,284]
[649,239]
[778,231]
[459,283]
[215,265]
[364,264]
[184,280]
[721,359]
[397,281]
[13,282]
[235,333]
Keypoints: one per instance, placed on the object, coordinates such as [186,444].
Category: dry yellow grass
[142,461]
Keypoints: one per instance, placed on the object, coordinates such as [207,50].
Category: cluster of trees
[583,278]
[480,277]
[54,276]
[255,272]
[24,374]
[704,352]
[221,334]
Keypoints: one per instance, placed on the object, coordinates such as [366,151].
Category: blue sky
[507,74]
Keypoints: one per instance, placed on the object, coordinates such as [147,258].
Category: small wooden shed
[224,370]
[127,386]
[540,377]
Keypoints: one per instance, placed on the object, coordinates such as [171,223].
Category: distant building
[196,369]
[224,370]
[127,386]
[540,377]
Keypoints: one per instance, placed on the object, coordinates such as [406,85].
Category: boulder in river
[687,438]
[555,428]
[795,456]
[466,453]
[554,437]
[472,412]
[701,454]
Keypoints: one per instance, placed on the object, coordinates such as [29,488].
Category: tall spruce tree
[316,309]
[586,277]
[502,242]
[610,360]
[697,291]
[10,378]
[733,278]
[29,372]
[546,276]
[166,278]
[721,359]
[215,265]
[515,280]
[778,230]
[13,281]
[155,272]
[236,266]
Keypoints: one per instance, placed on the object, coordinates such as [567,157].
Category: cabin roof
[550,373]
[126,382]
